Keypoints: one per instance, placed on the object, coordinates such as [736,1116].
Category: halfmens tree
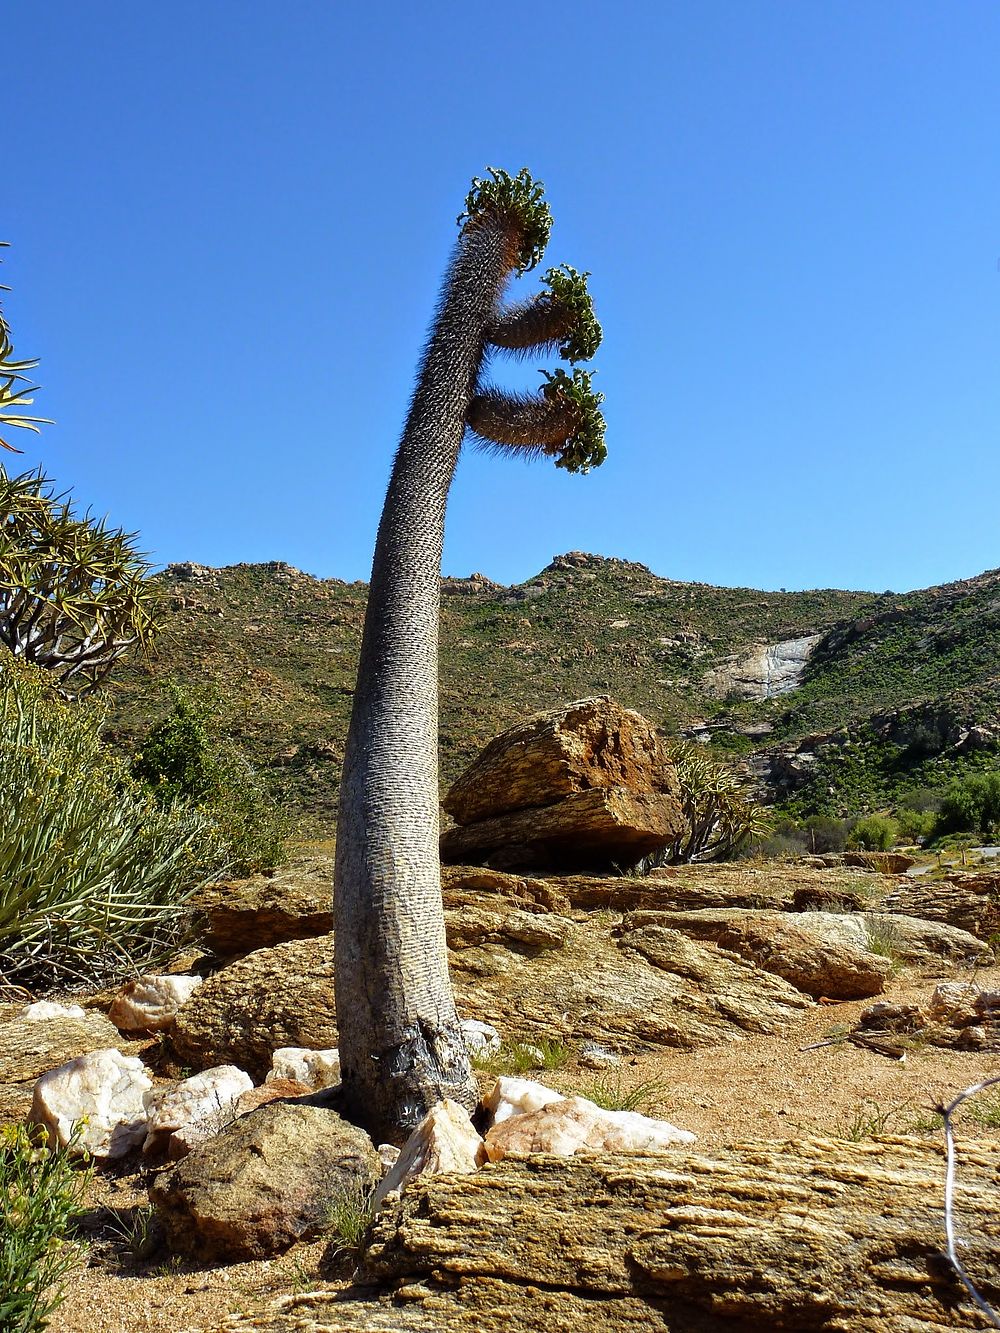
[401,1047]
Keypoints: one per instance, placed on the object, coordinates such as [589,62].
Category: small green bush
[93,873]
[915,825]
[972,805]
[874,833]
[180,761]
[40,1195]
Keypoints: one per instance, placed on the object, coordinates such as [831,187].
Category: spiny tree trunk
[401,1047]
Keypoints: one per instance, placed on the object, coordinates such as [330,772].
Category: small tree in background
[971,805]
[873,833]
[720,815]
[181,761]
[74,593]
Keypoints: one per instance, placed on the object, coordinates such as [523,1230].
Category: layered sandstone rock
[584,785]
[802,1236]
[593,743]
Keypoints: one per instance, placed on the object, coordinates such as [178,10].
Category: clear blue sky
[230,219]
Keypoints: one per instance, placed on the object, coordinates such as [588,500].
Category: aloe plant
[400,1043]
[93,873]
[15,386]
[74,592]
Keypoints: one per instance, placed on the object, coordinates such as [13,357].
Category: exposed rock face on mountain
[767,670]
[588,784]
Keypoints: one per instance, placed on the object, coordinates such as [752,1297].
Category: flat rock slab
[819,1234]
[971,902]
[275,997]
[549,976]
[835,954]
[593,743]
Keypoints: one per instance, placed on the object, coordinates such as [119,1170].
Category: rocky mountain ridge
[835,699]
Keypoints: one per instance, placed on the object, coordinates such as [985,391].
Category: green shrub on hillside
[874,833]
[915,825]
[972,805]
[180,761]
[93,873]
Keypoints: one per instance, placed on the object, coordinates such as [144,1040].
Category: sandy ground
[761,1087]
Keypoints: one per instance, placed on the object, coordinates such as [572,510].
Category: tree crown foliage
[519,198]
[74,592]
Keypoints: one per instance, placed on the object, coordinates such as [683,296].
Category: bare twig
[946,1112]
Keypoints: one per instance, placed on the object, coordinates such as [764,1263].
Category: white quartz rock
[193,1110]
[574,1125]
[388,1155]
[594,1056]
[149,1003]
[517,1096]
[104,1089]
[445,1140]
[482,1040]
[954,1002]
[316,1069]
[42,1009]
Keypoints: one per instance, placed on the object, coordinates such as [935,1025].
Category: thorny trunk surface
[401,1048]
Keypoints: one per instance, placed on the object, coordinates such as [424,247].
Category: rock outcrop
[585,785]
[818,1234]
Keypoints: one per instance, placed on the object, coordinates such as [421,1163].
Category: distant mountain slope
[756,674]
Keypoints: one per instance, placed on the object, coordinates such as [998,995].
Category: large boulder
[292,903]
[272,998]
[600,828]
[268,1180]
[584,785]
[587,744]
